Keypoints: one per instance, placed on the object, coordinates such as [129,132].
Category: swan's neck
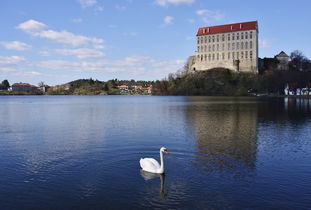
[162,162]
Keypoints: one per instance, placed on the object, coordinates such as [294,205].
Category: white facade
[233,49]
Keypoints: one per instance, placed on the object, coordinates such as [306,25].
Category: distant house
[44,88]
[150,89]
[279,62]
[138,87]
[23,87]
[123,87]
[283,59]
[2,87]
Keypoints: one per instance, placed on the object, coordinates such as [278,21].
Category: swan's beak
[165,151]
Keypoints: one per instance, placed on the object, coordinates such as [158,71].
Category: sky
[57,41]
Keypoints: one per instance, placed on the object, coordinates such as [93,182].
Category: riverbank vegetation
[224,82]
[228,83]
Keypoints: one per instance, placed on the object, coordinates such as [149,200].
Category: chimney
[241,26]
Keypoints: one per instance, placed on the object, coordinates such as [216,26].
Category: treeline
[225,82]
[94,87]
[229,83]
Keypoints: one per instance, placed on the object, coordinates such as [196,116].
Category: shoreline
[253,96]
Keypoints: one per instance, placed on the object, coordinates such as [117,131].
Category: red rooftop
[228,28]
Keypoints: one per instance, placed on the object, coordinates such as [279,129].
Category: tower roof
[253,25]
[282,54]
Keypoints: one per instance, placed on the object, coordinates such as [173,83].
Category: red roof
[21,84]
[228,28]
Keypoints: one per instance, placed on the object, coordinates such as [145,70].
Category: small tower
[283,59]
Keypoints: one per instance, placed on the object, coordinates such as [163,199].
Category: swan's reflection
[148,176]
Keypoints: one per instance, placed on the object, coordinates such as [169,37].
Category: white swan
[151,165]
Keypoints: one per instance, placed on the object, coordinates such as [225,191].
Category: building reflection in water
[225,128]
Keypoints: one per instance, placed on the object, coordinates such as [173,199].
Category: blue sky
[57,41]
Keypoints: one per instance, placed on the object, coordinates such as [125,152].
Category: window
[246,35]
[242,55]
[246,45]
[213,56]
[250,45]
[205,57]
[237,36]
[246,54]
[250,54]
[238,45]
[209,38]
[228,46]
[213,38]
[213,48]
[223,38]
[198,57]
[198,41]
[233,36]
[242,45]
[228,55]
[251,35]
[217,56]
[217,47]
[237,55]
[205,39]
[205,48]
[209,57]
[242,35]
[198,49]
[201,48]
[209,48]
[233,55]
[201,57]
[228,37]
[223,56]
[223,47]
[233,46]
[217,38]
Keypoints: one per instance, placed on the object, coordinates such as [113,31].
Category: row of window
[230,55]
[230,46]
[223,37]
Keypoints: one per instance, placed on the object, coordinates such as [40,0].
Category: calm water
[82,152]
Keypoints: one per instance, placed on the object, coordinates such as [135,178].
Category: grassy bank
[223,82]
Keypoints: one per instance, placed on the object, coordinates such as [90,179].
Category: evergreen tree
[6,83]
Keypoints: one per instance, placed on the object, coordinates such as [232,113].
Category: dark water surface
[82,152]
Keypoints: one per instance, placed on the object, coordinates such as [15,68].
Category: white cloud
[66,37]
[209,16]
[132,65]
[164,3]
[27,73]
[264,43]
[63,37]
[190,20]
[168,20]
[190,37]
[10,63]
[81,53]
[77,20]
[31,25]
[120,7]
[99,8]
[87,3]
[130,34]
[15,45]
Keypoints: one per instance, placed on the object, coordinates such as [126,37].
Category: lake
[82,152]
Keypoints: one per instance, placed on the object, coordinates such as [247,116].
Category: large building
[231,46]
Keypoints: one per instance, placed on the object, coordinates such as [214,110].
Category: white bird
[151,165]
